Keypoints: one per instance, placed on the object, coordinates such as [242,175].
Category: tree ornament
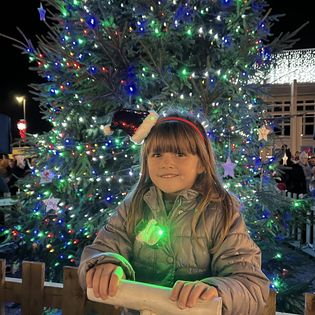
[46,177]
[22,126]
[92,21]
[263,133]
[42,13]
[51,204]
[229,167]
[285,159]
[137,124]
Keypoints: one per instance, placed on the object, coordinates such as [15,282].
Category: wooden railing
[33,293]
[302,238]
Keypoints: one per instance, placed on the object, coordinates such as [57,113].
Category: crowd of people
[12,169]
[296,174]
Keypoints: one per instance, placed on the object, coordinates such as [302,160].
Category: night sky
[15,75]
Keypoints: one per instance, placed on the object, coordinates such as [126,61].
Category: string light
[293,65]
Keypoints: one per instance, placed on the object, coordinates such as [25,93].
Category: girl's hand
[188,293]
[104,279]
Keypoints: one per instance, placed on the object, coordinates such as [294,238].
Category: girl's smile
[168,175]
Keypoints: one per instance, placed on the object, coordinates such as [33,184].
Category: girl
[179,228]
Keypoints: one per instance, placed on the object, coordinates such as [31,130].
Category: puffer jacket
[235,269]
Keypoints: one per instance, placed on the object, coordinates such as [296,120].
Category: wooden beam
[142,296]
[72,297]
[33,277]
[309,303]
[270,308]
[53,294]
[12,290]
[2,276]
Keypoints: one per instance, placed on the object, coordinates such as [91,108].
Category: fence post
[309,303]
[313,223]
[73,298]
[308,227]
[2,276]
[270,308]
[33,278]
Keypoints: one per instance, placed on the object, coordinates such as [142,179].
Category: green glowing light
[189,32]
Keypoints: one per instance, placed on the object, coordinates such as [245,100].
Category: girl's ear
[200,168]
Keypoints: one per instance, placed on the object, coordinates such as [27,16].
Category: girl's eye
[180,154]
[155,154]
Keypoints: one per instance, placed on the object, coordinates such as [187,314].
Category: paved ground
[303,263]
[300,269]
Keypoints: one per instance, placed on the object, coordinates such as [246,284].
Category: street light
[22,100]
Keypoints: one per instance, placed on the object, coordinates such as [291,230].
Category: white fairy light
[292,65]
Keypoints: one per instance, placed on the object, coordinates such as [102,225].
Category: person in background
[17,169]
[296,157]
[312,188]
[292,175]
[31,162]
[303,162]
[9,168]
[4,188]
[204,251]
[311,161]
[6,167]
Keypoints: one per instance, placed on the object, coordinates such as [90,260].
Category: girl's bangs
[172,137]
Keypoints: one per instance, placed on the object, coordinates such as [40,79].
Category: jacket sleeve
[112,245]
[237,275]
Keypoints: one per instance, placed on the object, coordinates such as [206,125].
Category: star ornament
[229,167]
[46,177]
[285,159]
[263,133]
[51,204]
[42,13]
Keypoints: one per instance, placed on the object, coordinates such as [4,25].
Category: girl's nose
[167,160]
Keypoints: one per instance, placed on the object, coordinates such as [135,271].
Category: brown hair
[178,136]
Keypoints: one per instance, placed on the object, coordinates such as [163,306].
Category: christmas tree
[207,57]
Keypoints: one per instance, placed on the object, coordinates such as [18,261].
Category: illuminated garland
[292,65]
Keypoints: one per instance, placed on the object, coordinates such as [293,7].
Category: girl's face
[172,172]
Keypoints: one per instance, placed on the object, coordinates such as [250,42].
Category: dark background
[15,76]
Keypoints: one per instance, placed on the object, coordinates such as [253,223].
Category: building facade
[291,100]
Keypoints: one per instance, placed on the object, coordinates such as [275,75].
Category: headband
[186,121]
